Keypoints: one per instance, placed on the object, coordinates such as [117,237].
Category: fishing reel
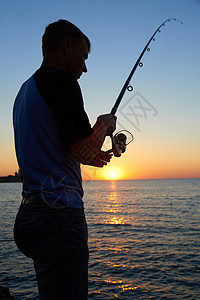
[119,143]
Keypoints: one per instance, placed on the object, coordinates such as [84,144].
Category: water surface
[144,240]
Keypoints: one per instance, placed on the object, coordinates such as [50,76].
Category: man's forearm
[87,149]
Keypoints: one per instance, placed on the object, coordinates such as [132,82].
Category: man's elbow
[82,153]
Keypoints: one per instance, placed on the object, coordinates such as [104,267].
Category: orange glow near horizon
[112,173]
[129,167]
[8,163]
[9,167]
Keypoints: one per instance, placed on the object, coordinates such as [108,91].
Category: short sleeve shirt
[61,92]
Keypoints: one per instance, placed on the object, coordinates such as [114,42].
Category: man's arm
[87,151]
[101,159]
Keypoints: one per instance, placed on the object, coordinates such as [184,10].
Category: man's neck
[53,61]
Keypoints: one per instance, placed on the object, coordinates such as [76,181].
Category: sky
[163,110]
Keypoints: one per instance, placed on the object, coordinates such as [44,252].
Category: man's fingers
[105,156]
[98,163]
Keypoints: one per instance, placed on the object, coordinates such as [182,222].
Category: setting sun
[111,173]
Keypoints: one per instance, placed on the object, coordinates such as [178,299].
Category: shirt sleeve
[70,113]
[61,92]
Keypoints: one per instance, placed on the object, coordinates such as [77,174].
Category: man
[52,137]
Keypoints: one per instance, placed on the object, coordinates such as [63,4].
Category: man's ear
[67,44]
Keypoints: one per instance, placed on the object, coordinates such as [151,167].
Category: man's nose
[84,68]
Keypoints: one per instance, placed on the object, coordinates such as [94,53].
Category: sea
[144,240]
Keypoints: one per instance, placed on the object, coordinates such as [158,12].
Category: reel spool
[119,143]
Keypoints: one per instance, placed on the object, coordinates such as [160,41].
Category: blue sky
[118,30]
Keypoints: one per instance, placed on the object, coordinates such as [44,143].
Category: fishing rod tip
[177,20]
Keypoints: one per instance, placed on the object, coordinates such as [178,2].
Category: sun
[112,173]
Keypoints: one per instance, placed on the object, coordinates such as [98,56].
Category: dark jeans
[56,240]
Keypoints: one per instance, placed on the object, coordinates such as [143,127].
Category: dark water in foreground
[144,239]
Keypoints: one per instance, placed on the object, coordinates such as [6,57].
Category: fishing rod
[138,63]
[122,138]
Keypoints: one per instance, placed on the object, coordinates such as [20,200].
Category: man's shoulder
[49,73]
[56,86]
[53,81]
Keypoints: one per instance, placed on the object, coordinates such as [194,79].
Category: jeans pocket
[79,238]
[36,243]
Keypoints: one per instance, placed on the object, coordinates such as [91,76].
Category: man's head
[63,41]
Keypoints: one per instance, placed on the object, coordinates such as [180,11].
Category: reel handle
[119,143]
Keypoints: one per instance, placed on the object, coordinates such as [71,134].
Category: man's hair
[58,30]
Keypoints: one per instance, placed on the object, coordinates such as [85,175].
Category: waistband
[33,199]
[37,200]
[32,203]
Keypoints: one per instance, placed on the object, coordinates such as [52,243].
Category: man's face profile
[76,54]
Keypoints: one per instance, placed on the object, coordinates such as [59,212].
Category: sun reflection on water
[117,221]
[114,207]
[126,287]
[113,213]
[118,283]
[117,265]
